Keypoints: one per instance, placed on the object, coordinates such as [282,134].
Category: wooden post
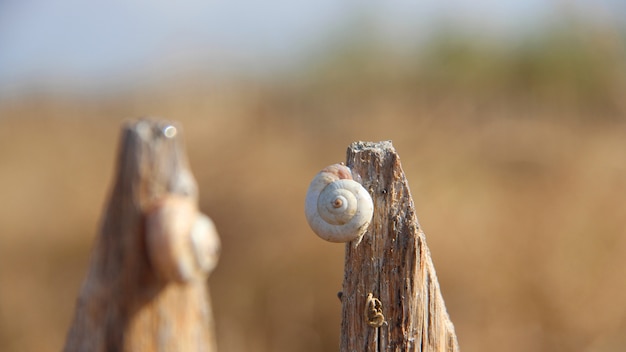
[124,303]
[391,299]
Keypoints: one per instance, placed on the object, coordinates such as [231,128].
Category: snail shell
[337,208]
[205,243]
[182,243]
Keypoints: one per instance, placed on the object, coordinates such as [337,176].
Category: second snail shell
[182,243]
[337,208]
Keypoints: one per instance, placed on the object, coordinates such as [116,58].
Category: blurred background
[509,118]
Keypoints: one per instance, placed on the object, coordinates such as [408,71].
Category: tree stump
[391,300]
[125,303]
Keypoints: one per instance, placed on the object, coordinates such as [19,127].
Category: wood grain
[123,305]
[393,263]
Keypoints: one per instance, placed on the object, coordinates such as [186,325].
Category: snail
[181,242]
[337,208]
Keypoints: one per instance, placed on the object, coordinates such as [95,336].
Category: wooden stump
[391,299]
[124,304]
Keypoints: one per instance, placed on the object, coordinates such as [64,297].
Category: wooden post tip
[148,129]
[363,146]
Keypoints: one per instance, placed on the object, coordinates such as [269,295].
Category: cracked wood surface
[393,263]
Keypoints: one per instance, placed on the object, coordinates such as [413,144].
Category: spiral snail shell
[337,208]
[182,243]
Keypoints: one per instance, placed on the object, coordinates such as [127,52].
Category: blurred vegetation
[513,150]
[565,64]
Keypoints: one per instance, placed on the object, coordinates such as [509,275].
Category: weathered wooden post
[391,299]
[146,287]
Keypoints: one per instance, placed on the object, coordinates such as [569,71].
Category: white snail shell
[337,208]
[205,243]
[182,243]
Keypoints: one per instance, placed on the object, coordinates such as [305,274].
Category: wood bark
[393,264]
[123,305]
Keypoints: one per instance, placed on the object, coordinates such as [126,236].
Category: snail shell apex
[337,208]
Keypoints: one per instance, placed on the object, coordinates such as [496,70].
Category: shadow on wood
[391,299]
[130,300]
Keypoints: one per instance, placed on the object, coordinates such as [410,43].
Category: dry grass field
[523,212]
[522,200]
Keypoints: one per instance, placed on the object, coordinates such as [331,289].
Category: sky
[91,44]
